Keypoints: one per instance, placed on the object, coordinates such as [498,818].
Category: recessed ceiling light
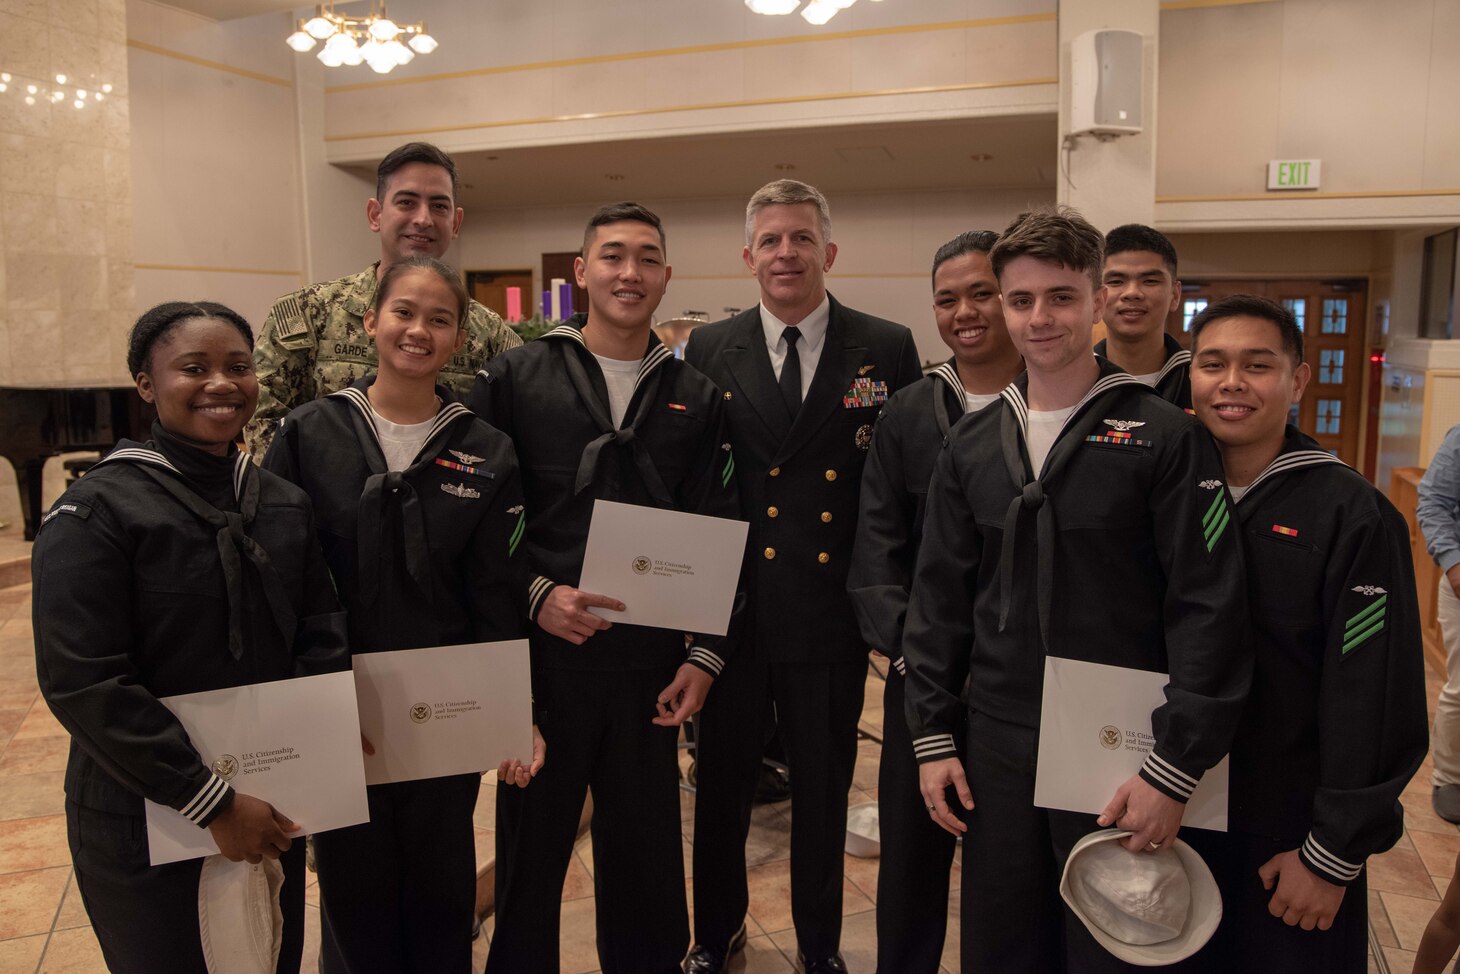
[786,166]
[614,177]
[980,157]
[493,158]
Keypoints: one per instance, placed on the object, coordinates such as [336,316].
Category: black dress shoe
[708,960]
[822,965]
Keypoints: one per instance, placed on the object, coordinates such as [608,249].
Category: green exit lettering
[1293,174]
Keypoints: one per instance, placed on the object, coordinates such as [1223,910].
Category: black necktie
[791,372]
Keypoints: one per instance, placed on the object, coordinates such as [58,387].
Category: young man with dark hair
[912,878]
[1080,489]
[314,343]
[1335,725]
[598,408]
[1141,289]
[804,378]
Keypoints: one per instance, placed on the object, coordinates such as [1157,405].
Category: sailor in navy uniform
[1335,726]
[420,512]
[915,854]
[175,566]
[599,409]
[1082,517]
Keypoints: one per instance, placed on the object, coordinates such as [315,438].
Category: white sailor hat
[240,922]
[1146,908]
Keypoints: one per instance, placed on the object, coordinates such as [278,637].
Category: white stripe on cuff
[1169,775]
[1330,863]
[711,662]
[935,744]
[901,664]
[540,587]
[205,799]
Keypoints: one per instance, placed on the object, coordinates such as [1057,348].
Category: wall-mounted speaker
[1105,83]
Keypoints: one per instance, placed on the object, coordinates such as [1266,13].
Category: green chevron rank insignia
[729,469]
[1214,522]
[1368,622]
[517,531]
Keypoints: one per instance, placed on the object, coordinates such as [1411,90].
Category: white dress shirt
[813,337]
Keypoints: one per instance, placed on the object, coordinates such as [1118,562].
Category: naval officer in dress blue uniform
[803,379]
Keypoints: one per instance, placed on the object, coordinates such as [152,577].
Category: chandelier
[33,91]
[375,39]
[816,12]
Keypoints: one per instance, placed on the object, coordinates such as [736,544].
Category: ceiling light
[980,157]
[374,39]
[785,166]
[819,12]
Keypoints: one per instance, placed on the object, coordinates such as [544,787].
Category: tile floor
[44,929]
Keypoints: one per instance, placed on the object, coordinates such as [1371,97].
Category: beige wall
[215,159]
[65,222]
[1371,89]
[566,71]
[886,243]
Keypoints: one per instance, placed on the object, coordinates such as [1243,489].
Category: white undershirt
[399,443]
[1044,427]
[1149,379]
[620,377]
[1237,492]
[974,401]
[813,338]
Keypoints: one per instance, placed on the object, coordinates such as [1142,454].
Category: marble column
[66,266]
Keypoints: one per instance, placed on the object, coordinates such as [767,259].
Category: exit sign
[1293,173]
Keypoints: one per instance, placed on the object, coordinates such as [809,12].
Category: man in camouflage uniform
[313,342]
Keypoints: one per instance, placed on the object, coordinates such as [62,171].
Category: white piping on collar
[448,414]
[1287,462]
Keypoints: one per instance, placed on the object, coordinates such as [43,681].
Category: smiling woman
[176,566]
[194,363]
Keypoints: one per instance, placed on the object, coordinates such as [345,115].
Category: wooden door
[489,288]
[1331,315]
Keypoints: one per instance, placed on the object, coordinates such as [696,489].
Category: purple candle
[565,300]
[547,304]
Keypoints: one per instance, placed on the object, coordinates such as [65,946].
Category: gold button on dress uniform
[770,553]
[831,475]
[774,471]
[826,517]
[823,558]
[772,511]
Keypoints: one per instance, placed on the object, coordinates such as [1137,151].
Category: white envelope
[1095,732]
[444,710]
[293,743]
[672,570]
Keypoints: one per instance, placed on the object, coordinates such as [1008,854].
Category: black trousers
[1251,939]
[397,893]
[1013,919]
[816,709]
[600,739]
[146,917]
[912,879]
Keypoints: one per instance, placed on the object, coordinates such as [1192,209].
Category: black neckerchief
[386,488]
[1033,495]
[641,407]
[234,544]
